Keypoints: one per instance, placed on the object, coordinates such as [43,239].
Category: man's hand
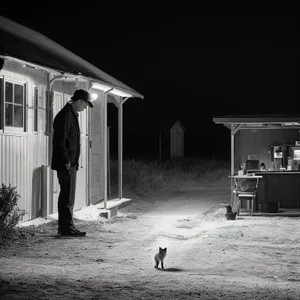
[68,166]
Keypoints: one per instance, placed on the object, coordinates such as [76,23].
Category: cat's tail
[156,261]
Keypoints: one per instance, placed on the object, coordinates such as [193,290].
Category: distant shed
[163,139]
[176,140]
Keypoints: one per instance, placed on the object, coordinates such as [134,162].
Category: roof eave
[127,93]
[38,39]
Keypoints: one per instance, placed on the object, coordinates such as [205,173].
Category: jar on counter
[262,166]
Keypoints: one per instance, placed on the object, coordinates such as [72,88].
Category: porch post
[120,149]
[120,146]
[105,149]
[232,162]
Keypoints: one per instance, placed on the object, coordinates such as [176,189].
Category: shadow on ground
[171,270]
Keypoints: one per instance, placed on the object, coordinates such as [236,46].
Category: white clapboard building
[37,78]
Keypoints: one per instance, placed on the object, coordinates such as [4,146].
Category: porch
[254,140]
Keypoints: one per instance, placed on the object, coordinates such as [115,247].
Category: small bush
[10,214]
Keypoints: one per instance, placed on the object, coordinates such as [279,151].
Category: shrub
[10,214]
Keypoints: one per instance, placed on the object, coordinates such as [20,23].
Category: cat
[159,257]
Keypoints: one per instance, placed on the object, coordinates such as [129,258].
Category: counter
[278,187]
[277,172]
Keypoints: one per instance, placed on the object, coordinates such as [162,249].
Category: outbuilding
[37,78]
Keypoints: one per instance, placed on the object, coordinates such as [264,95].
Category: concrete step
[113,205]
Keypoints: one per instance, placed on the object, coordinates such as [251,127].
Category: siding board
[19,166]
[23,153]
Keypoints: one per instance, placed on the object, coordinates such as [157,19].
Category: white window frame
[25,97]
[2,105]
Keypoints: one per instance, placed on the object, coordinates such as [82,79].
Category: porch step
[113,205]
[280,213]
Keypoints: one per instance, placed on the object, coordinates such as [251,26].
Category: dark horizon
[188,68]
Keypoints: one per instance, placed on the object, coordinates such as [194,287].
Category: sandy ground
[208,257]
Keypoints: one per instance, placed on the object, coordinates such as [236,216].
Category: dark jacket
[66,139]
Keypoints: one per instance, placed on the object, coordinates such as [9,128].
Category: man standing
[65,158]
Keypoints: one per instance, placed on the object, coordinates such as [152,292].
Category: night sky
[189,68]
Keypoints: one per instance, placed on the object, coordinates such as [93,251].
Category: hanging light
[94,96]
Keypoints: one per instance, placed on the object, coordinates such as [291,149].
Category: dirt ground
[208,257]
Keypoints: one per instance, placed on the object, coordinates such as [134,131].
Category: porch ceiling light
[94,96]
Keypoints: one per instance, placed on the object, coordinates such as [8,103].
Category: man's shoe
[71,232]
[75,232]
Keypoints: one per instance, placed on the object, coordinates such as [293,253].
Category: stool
[242,197]
[245,189]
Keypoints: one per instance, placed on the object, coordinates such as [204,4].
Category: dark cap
[82,95]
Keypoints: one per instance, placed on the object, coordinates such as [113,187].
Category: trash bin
[268,207]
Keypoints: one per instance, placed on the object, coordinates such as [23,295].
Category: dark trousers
[66,198]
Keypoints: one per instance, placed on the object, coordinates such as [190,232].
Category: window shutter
[49,112]
[25,108]
[2,112]
[36,104]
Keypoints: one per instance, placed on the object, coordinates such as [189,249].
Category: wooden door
[96,150]
[82,178]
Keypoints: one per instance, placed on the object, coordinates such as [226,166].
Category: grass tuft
[147,178]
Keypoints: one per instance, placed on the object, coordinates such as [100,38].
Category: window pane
[8,92]
[8,114]
[18,94]
[18,116]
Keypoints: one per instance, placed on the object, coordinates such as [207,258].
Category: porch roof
[279,121]
[31,46]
